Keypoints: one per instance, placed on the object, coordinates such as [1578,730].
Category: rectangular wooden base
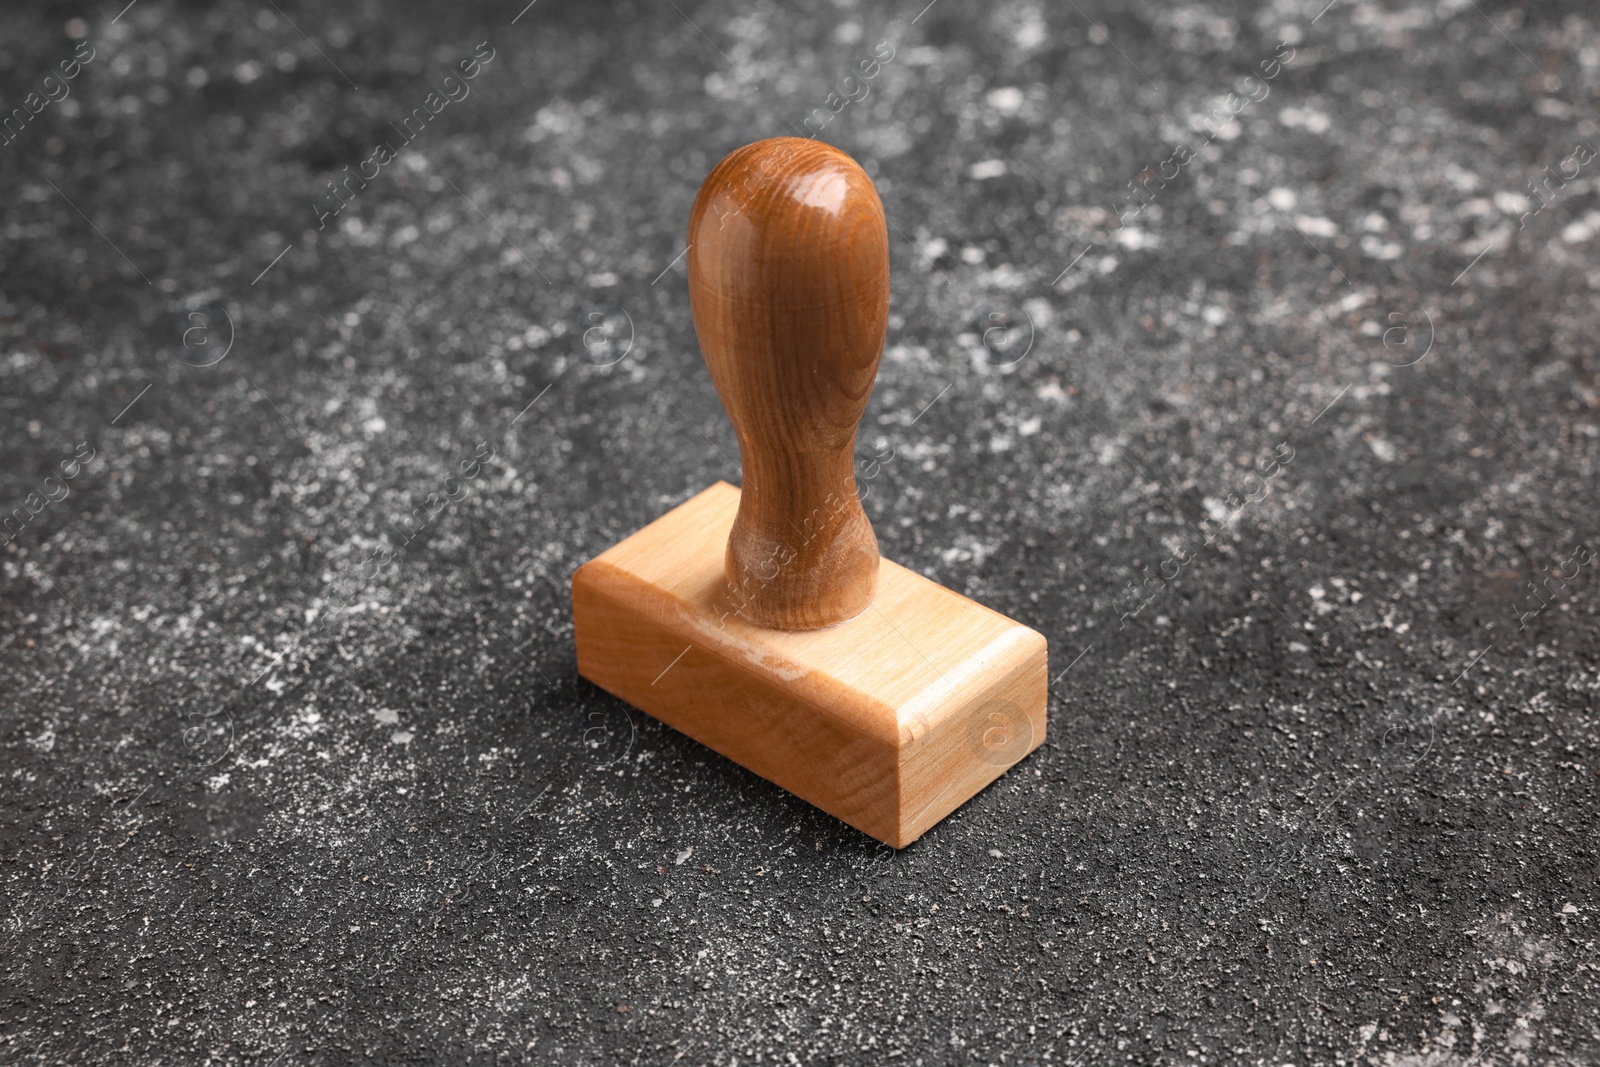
[889,721]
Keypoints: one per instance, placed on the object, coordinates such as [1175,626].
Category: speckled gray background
[288,782]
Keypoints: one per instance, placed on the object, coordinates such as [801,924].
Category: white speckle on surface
[1230,130]
[1136,238]
[1552,107]
[1051,391]
[1031,31]
[1511,203]
[989,168]
[1007,100]
[1382,449]
[386,716]
[1317,226]
[1040,309]
[401,737]
[1377,249]
[45,740]
[218,783]
[996,853]
[968,549]
[683,857]
[1282,199]
[1305,118]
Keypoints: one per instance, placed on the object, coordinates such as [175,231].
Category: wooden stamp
[763,623]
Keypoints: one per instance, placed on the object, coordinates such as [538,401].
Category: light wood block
[890,720]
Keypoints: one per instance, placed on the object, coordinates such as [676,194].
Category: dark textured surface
[1329,796]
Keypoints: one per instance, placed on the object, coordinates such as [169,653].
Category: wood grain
[890,720]
[789,284]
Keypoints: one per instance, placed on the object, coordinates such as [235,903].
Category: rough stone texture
[1320,787]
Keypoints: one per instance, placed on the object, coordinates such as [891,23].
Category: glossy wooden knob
[789,283]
